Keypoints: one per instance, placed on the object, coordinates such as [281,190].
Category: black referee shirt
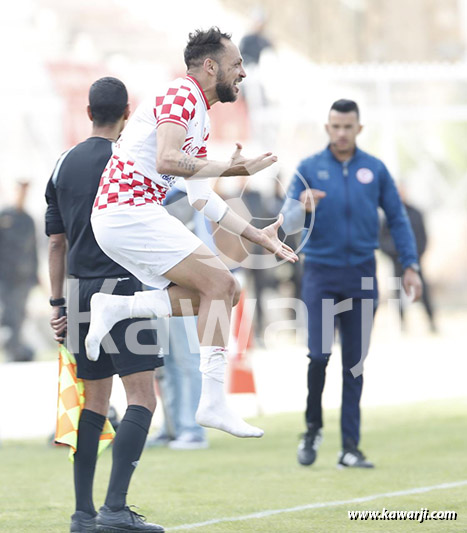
[70,195]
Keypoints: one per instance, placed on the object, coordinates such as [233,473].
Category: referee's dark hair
[345,106]
[108,99]
[202,44]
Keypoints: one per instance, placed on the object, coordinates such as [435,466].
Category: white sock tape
[213,360]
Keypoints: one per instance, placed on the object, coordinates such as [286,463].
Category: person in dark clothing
[254,43]
[342,186]
[70,195]
[18,272]
[252,46]
[388,247]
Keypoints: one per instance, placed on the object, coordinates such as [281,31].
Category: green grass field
[415,446]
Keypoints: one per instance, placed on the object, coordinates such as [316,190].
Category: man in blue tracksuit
[339,284]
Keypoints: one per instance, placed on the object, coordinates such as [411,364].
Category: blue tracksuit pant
[324,287]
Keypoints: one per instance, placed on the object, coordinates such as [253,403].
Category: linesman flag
[70,405]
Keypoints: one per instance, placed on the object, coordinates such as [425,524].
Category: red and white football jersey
[130,177]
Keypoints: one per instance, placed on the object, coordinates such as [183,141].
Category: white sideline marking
[319,505]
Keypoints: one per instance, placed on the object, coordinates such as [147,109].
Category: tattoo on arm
[187,163]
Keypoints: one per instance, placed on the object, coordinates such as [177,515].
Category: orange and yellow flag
[70,405]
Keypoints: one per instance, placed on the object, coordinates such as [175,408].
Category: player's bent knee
[230,286]
[221,286]
[237,292]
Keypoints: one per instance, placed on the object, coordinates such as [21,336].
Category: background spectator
[18,272]
[387,245]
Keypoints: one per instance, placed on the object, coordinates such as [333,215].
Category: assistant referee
[70,195]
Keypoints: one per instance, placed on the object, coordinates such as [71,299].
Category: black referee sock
[127,448]
[89,431]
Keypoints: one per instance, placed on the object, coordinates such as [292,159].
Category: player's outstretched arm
[171,160]
[241,166]
[266,237]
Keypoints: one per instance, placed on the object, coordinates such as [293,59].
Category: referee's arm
[57,264]
[57,258]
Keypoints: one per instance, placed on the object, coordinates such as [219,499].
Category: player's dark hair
[345,106]
[202,44]
[108,99]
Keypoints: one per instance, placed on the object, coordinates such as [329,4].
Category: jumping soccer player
[166,138]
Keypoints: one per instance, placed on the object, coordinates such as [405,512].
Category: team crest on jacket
[365,175]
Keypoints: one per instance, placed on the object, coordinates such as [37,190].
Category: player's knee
[237,292]
[230,286]
[220,287]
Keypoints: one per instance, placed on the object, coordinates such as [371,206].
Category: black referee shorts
[124,353]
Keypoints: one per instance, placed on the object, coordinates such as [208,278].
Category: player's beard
[225,92]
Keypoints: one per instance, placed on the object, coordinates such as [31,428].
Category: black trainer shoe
[82,522]
[124,521]
[311,440]
[352,457]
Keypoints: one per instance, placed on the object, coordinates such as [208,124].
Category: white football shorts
[145,240]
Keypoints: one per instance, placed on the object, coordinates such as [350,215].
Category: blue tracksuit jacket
[346,226]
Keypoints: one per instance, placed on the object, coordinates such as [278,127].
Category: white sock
[108,309]
[213,410]
[151,304]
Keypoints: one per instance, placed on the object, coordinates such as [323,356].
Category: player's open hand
[241,166]
[271,242]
